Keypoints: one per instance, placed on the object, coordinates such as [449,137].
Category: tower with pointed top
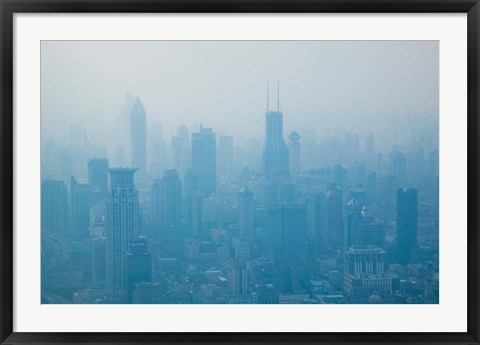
[275,154]
[138,135]
[294,150]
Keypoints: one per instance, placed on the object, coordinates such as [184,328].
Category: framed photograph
[239,172]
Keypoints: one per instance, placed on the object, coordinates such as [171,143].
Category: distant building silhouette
[81,201]
[166,197]
[181,150]
[399,168]
[316,224]
[54,213]
[246,211]
[370,152]
[195,214]
[286,230]
[275,154]
[333,218]
[158,150]
[98,173]
[156,201]
[294,149]
[138,135]
[406,224]
[170,200]
[204,160]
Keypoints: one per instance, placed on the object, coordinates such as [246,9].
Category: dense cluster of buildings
[307,222]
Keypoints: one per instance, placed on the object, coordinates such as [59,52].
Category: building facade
[122,227]
[204,160]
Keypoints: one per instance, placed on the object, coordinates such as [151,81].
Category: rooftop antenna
[278,96]
[267,96]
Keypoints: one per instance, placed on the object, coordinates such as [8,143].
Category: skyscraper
[99,263]
[333,218]
[204,160]
[316,224]
[98,174]
[156,201]
[181,147]
[352,218]
[286,230]
[361,228]
[138,266]
[195,214]
[54,211]
[122,227]
[170,200]
[406,224]
[81,201]
[158,150]
[294,150]
[275,154]
[399,168]
[138,135]
[246,210]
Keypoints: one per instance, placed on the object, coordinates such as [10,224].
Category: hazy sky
[330,86]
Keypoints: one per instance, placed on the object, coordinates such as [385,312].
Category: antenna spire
[278,96]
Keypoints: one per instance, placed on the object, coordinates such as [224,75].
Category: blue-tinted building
[138,136]
[406,224]
[204,160]
[122,228]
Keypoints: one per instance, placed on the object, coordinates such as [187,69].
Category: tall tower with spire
[138,135]
[275,154]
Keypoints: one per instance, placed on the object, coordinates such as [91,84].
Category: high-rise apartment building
[204,160]
[122,227]
[406,223]
[333,218]
[170,200]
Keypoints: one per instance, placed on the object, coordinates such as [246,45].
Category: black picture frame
[9,7]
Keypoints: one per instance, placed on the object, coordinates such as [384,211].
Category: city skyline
[204,216]
[345,84]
